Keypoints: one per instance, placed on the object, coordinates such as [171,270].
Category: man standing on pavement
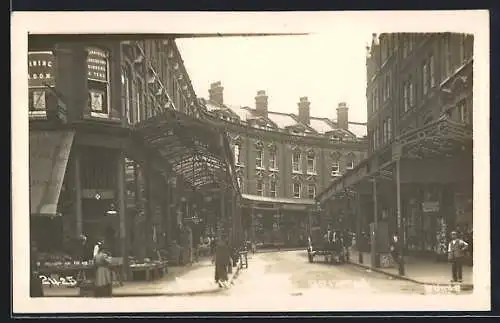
[456,253]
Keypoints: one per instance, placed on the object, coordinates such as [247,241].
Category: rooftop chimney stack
[343,116]
[304,110]
[261,103]
[216,93]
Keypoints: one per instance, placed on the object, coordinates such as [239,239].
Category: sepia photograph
[187,162]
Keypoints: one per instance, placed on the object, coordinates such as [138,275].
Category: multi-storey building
[117,148]
[417,179]
[283,159]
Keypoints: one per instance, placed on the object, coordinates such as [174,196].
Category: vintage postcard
[298,161]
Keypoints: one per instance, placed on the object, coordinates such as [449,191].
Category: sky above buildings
[327,67]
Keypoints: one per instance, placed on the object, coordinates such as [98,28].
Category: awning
[265,199]
[190,147]
[48,152]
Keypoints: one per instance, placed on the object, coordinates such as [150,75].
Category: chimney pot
[343,116]
[261,103]
[304,110]
[216,93]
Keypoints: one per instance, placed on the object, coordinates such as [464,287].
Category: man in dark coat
[222,261]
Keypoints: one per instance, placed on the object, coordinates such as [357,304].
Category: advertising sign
[97,65]
[41,69]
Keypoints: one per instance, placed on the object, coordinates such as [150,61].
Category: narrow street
[289,273]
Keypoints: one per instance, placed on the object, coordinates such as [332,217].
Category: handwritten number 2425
[66,281]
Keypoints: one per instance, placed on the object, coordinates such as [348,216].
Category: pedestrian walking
[103,279]
[393,246]
[456,252]
[222,261]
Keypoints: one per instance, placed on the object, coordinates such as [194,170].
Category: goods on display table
[62,271]
[147,269]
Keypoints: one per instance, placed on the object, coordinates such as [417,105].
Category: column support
[401,267]
[374,253]
[122,213]
[78,192]
[359,229]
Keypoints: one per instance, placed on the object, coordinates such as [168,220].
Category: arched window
[296,161]
[98,81]
[127,95]
[335,168]
[351,161]
[237,154]
[311,162]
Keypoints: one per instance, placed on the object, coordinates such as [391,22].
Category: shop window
[296,161]
[311,191]
[296,190]
[98,81]
[273,189]
[311,163]
[259,187]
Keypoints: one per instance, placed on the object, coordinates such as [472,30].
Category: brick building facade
[110,109]
[417,179]
[282,160]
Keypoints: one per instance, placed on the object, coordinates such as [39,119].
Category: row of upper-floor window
[142,97]
[426,73]
[272,189]
[296,161]
[381,136]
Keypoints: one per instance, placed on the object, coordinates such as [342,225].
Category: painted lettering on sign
[97,65]
[41,69]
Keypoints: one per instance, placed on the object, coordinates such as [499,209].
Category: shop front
[421,194]
[272,222]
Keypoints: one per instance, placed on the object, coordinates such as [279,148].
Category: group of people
[338,241]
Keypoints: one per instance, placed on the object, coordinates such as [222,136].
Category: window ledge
[239,165]
[312,173]
[274,170]
[259,168]
[102,117]
[296,172]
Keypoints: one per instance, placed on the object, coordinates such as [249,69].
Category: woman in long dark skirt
[222,260]
[103,278]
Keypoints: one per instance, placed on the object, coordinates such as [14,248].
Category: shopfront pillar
[401,267]
[222,215]
[374,252]
[78,192]
[122,212]
[359,229]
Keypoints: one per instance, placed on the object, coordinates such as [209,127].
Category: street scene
[157,171]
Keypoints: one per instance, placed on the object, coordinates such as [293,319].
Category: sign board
[430,206]
[97,65]
[294,207]
[41,69]
[397,151]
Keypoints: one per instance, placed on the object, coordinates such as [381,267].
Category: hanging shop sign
[41,69]
[430,206]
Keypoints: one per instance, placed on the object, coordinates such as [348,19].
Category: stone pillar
[122,212]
